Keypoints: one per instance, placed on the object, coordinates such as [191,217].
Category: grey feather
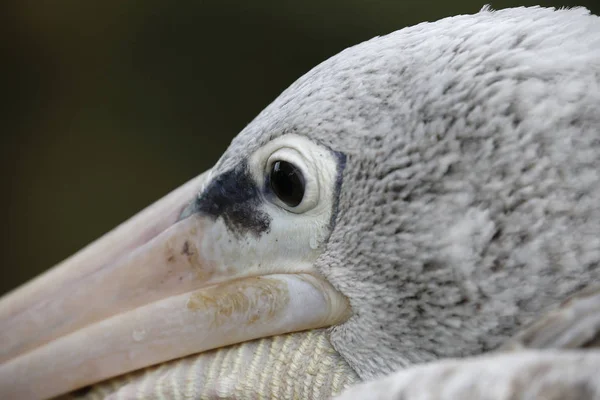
[527,375]
[524,374]
[575,324]
[485,194]
[469,203]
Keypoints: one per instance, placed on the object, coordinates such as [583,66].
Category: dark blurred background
[110,105]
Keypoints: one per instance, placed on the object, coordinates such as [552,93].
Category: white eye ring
[311,184]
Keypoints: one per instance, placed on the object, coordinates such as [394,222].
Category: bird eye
[287,182]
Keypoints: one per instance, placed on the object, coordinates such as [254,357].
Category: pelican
[411,203]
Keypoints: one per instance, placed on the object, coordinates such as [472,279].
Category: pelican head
[412,193]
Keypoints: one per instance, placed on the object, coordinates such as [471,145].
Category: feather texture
[295,366]
[524,375]
[525,372]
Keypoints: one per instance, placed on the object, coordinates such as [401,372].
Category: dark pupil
[287,183]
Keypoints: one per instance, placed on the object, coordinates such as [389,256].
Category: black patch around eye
[234,196]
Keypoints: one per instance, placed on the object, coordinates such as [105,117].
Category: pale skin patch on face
[256,299]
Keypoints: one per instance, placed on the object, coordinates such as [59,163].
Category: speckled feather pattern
[556,357]
[469,202]
[295,366]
